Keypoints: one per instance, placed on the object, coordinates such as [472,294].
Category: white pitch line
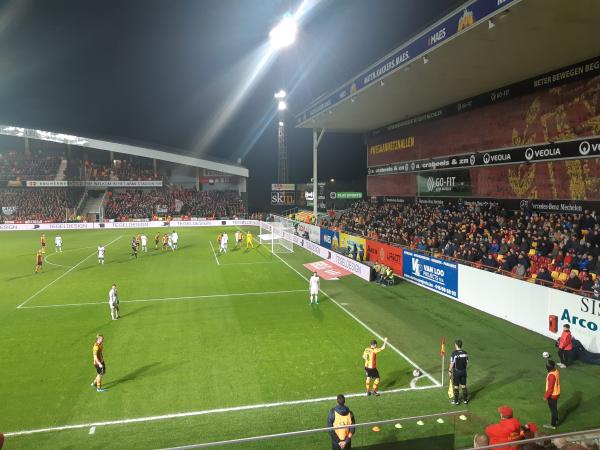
[214,254]
[64,274]
[164,299]
[202,413]
[54,264]
[248,263]
[410,361]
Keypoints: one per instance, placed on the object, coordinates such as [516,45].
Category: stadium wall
[558,113]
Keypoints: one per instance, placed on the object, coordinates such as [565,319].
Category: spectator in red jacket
[507,430]
[565,346]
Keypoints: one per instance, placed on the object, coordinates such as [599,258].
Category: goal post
[272,235]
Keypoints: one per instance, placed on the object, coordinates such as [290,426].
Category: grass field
[219,347]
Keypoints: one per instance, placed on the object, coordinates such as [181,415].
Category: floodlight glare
[281,124]
[281,105]
[281,94]
[284,34]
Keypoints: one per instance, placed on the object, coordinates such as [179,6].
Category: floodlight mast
[282,170]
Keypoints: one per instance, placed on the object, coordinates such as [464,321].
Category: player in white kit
[170,242]
[224,240]
[314,284]
[101,254]
[113,301]
[58,244]
[175,239]
[144,239]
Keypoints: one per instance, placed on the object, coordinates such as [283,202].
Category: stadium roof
[525,38]
[128,149]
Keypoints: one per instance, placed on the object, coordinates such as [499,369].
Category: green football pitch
[213,347]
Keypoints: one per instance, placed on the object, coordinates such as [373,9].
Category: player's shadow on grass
[140,371]
[569,406]
[134,311]
[316,312]
[483,383]
[392,378]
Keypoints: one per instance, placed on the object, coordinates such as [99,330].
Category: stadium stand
[15,166]
[144,204]
[39,205]
[123,170]
[565,246]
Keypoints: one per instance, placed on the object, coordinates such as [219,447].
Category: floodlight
[281,123]
[280,94]
[284,34]
[281,105]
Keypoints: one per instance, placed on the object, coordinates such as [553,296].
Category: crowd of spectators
[38,204]
[120,171]
[17,166]
[145,204]
[562,250]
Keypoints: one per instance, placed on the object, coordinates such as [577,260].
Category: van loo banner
[436,274]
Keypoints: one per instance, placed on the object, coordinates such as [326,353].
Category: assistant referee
[458,371]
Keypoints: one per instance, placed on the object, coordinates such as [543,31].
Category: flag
[443,350]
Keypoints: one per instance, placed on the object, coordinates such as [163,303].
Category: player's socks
[455,395]
[465,396]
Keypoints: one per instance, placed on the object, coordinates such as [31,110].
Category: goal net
[272,235]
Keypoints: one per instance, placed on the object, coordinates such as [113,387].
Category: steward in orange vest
[338,417]
[552,392]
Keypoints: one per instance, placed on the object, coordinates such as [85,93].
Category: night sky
[159,72]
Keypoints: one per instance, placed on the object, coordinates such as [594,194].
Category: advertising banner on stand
[348,241]
[330,239]
[436,274]
[313,231]
[385,254]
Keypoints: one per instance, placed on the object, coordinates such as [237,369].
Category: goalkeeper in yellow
[370,357]
[249,240]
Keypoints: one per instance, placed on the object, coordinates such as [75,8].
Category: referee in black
[458,371]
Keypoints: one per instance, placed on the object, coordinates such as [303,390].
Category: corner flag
[443,350]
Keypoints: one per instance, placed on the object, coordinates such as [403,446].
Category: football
[545,355]
[416,373]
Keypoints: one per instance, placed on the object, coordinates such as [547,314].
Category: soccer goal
[274,235]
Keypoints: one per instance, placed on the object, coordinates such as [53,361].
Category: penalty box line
[364,325]
[65,274]
[203,412]
[165,299]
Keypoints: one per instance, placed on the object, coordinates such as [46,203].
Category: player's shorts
[314,291]
[371,373]
[459,378]
[100,370]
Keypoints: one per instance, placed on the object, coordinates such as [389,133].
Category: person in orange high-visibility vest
[552,392]
[338,417]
